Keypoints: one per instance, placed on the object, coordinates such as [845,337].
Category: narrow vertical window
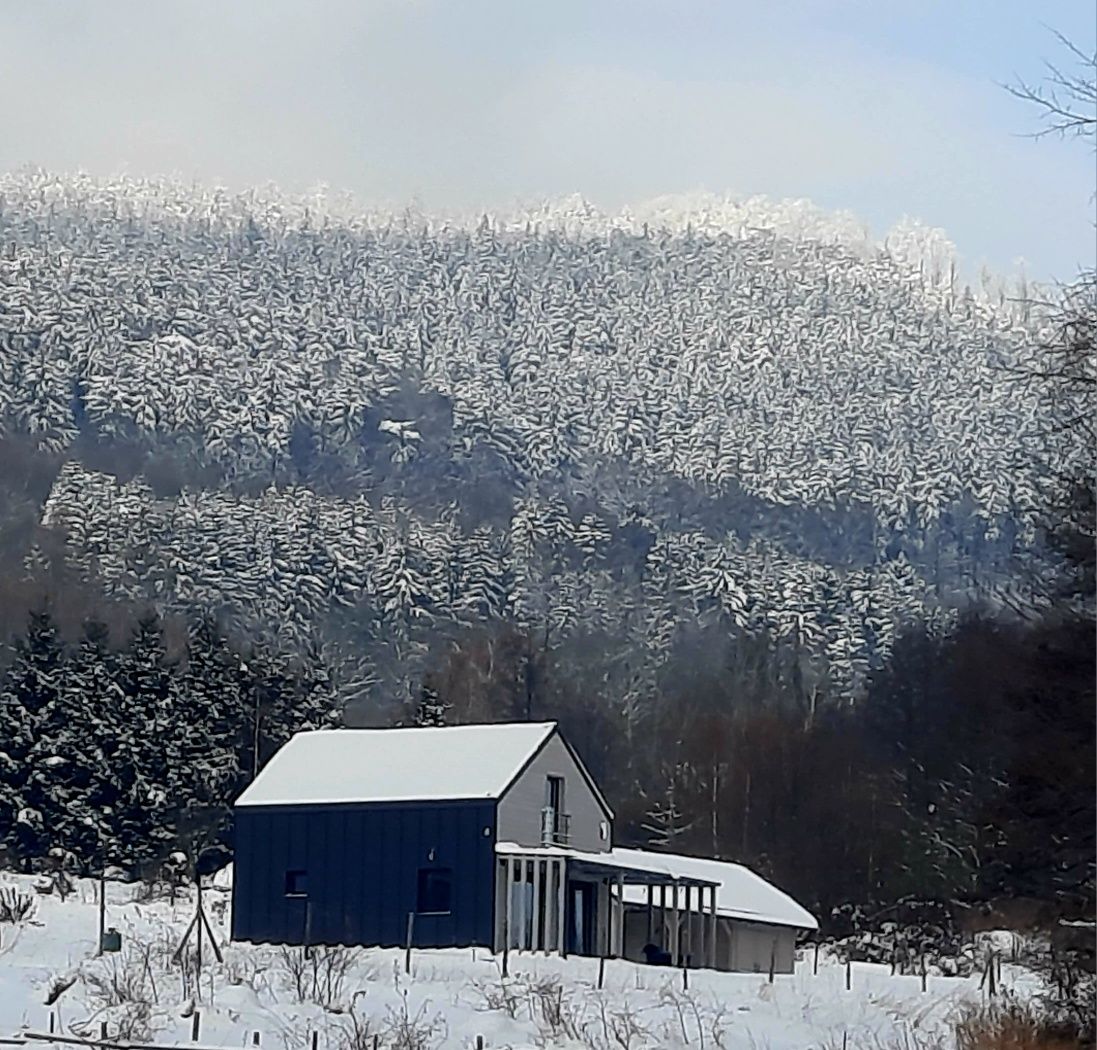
[435,895]
[297,883]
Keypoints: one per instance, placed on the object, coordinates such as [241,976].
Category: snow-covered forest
[361,431]
[621,469]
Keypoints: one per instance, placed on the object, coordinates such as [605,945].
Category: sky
[880,107]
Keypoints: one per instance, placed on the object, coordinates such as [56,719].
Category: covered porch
[563,901]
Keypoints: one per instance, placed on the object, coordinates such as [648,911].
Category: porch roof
[648,870]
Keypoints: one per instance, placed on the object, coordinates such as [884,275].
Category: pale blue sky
[880,107]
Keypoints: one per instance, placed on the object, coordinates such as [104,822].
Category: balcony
[555,827]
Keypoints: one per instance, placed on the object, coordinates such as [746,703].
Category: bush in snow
[318,974]
[16,905]
[405,1030]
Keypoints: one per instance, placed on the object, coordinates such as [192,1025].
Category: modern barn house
[474,835]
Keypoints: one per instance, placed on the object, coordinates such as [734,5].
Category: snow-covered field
[449,999]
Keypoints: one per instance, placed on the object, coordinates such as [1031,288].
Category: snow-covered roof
[630,863]
[740,894]
[397,765]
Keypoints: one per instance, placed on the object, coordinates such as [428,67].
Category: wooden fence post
[315,1039]
[815,964]
[601,970]
[923,971]
[195,1022]
[849,974]
[407,945]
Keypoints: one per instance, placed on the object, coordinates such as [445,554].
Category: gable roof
[397,765]
[740,894]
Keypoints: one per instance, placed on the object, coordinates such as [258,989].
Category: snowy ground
[449,999]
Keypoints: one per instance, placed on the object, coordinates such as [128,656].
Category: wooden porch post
[714,926]
[702,922]
[651,910]
[508,925]
[689,925]
[549,944]
[675,939]
[664,939]
[562,908]
[535,924]
[522,927]
[619,949]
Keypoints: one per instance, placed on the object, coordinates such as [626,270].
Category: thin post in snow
[407,942]
[315,1039]
[772,960]
[255,1038]
[849,974]
[601,971]
[923,971]
[53,1021]
[102,911]
[815,963]
[479,1042]
[198,933]
[195,1024]
[992,984]
[685,978]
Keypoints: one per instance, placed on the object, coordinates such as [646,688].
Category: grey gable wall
[519,814]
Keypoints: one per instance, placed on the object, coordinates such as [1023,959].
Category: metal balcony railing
[555,827]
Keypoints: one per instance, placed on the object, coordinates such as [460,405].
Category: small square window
[435,891]
[297,883]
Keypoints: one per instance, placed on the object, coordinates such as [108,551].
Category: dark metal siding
[363,864]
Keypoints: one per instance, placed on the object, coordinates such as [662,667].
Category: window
[435,891]
[297,883]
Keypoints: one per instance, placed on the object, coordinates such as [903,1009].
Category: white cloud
[394,99]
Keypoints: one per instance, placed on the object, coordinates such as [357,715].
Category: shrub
[16,905]
[1014,1026]
[318,974]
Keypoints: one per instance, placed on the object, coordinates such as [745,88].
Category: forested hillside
[704,457]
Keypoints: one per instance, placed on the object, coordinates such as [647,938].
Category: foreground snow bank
[450,998]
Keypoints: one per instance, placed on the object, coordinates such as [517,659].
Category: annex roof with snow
[740,893]
[397,765]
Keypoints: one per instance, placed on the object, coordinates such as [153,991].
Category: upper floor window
[554,821]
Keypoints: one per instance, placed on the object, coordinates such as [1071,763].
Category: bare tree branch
[1067,100]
